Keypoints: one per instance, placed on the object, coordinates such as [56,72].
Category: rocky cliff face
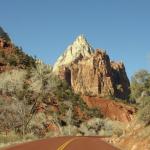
[79,49]
[91,72]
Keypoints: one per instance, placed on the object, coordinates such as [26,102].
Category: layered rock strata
[91,72]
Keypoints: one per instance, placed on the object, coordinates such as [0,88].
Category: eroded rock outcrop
[111,109]
[91,72]
[78,50]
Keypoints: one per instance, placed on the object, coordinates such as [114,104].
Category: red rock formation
[92,73]
[96,75]
[111,109]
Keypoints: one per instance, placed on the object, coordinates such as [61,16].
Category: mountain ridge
[79,48]
[91,72]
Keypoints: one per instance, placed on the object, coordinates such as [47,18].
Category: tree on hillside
[140,92]
[144,110]
[140,85]
[16,116]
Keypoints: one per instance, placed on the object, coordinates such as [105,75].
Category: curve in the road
[66,143]
[63,146]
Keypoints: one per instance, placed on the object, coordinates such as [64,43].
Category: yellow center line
[63,146]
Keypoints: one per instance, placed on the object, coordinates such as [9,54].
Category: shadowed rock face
[92,73]
[120,80]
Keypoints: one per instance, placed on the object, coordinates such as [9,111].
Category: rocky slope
[13,57]
[111,109]
[135,137]
[27,83]
[91,72]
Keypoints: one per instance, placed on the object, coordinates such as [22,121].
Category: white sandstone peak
[81,39]
[80,47]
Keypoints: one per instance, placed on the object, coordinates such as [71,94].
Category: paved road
[66,143]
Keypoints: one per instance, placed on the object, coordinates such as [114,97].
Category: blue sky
[46,27]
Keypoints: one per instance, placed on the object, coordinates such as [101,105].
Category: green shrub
[12,81]
[13,138]
[9,138]
[140,85]
[144,113]
[69,130]
[101,127]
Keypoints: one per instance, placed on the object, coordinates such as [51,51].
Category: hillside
[33,101]
[84,94]
[12,56]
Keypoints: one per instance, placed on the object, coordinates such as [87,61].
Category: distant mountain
[91,72]
[79,48]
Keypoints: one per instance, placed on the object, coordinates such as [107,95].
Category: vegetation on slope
[140,87]
[137,135]
[15,57]
[35,103]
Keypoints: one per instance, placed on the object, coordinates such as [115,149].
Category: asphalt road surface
[66,143]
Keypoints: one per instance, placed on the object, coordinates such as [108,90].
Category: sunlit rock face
[77,50]
[91,72]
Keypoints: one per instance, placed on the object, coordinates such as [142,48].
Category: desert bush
[21,59]
[101,127]
[140,91]
[52,134]
[38,120]
[42,79]
[12,81]
[144,133]
[69,130]
[140,85]
[13,138]
[144,110]
[52,82]
[9,138]
[112,128]
[15,116]
[30,136]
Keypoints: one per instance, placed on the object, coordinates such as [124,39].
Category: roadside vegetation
[140,94]
[35,103]
[138,132]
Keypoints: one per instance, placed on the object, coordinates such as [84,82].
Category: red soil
[110,108]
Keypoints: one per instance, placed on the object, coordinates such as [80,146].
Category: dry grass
[12,138]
